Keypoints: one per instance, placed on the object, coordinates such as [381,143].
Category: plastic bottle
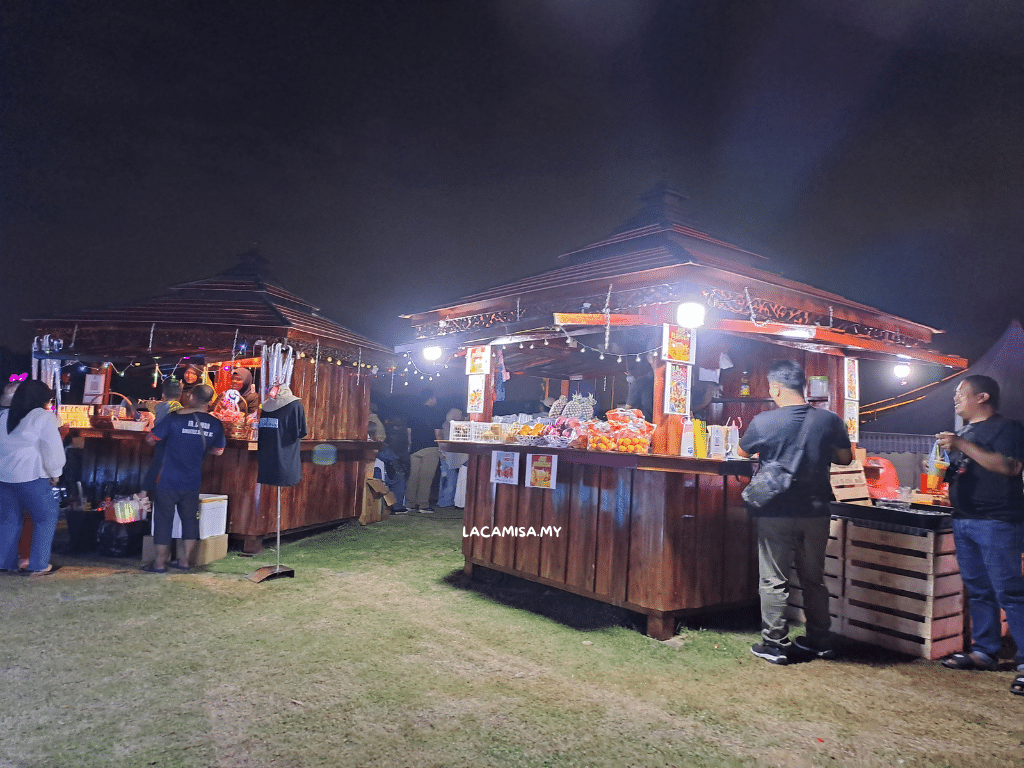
[745,384]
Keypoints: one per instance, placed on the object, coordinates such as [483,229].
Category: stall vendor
[193,376]
[241,382]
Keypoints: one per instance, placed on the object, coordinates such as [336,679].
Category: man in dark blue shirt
[187,436]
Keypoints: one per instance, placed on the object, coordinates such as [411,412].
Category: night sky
[390,156]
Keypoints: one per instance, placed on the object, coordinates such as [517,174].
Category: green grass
[381,653]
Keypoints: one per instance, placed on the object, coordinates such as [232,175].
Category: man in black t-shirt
[792,529]
[987,493]
[424,432]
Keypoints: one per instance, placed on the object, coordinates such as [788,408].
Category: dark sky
[389,156]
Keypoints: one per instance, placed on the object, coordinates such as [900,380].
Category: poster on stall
[478,360]
[475,396]
[851,415]
[541,470]
[851,375]
[678,344]
[93,393]
[505,467]
[678,379]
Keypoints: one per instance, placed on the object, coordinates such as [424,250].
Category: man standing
[187,436]
[792,529]
[987,494]
[424,432]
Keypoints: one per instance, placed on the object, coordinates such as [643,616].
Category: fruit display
[624,431]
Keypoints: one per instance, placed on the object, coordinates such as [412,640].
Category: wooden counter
[327,493]
[660,535]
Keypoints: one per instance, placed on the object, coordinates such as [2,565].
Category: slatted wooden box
[849,483]
[903,591]
[834,568]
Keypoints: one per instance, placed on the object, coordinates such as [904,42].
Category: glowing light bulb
[638,358]
[619,360]
[432,353]
[601,357]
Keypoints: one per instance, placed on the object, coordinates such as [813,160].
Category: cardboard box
[205,551]
[213,517]
[374,500]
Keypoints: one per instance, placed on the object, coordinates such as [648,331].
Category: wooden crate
[849,484]
[834,569]
[903,591]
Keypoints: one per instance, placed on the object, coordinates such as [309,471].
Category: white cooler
[213,517]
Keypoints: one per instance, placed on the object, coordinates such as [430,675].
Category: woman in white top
[31,462]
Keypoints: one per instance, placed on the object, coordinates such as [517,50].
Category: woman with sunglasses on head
[31,462]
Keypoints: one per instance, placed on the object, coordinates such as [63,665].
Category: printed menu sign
[475,396]
[478,360]
[677,389]
[541,470]
[678,344]
[851,375]
[505,467]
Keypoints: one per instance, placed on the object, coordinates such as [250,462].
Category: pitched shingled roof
[242,296]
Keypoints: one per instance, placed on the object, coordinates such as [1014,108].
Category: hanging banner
[505,467]
[541,470]
[678,380]
[475,396]
[478,360]
[851,415]
[851,375]
[678,344]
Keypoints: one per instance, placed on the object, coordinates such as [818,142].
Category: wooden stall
[660,534]
[221,319]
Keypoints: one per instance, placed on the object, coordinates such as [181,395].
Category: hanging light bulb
[520,345]
[545,342]
[601,357]
[531,346]
[619,360]
[638,358]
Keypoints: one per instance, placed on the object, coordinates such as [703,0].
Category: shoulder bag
[774,477]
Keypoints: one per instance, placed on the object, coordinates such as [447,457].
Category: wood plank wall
[660,540]
[336,399]
[326,493]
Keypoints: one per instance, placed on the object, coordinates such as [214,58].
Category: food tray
[529,440]
[557,442]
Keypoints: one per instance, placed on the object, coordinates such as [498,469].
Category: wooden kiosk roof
[645,268]
[209,317]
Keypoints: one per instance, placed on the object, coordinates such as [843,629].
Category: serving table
[664,536]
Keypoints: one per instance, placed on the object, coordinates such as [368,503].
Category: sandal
[178,567]
[972,660]
[51,568]
[150,568]
[1017,686]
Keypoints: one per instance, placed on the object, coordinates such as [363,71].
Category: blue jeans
[990,554]
[37,497]
[396,478]
[449,480]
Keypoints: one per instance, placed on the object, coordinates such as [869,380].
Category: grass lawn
[381,653]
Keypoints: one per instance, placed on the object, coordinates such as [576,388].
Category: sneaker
[770,653]
[427,510]
[399,511]
[819,653]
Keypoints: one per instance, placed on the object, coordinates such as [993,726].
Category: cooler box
[213,517]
